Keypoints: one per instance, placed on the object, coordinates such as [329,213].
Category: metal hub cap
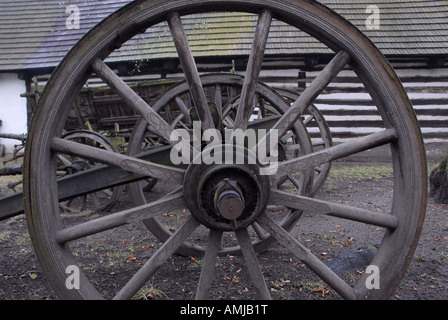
[229,200]
[226,196]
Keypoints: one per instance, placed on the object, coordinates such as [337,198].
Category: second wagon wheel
[223,91]
[99,202]
[53,237]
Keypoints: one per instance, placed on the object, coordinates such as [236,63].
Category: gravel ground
[112,256]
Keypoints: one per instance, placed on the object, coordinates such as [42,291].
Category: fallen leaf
[244,290]
[150,296]
[131,258]
[322,290]
[33,276]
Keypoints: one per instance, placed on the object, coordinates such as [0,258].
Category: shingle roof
[33,33]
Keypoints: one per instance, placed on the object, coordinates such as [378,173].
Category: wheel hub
[226,196]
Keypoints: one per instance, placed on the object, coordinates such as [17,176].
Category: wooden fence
[350,111]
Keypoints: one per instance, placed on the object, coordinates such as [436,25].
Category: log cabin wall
[346,105]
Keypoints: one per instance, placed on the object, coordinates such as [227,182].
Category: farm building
[413,34]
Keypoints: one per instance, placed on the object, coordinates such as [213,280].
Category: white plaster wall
[12,108]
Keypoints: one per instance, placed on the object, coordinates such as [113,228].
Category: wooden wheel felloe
[53,237]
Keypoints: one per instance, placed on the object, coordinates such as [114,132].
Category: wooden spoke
[292,147]
[312,92]
[336,152]
[252,264]
[319,143]
[127,163]
[183,108]
[262,112]
[114,220]
[95,200]
[253,70]
[209,265]
[333,209]
[308,120]
[324,78]
[259,231]
[157,259]
[191,72]
[287,136]
[309,259]
[263,123]
[218,98]
[294,182]
[132,99]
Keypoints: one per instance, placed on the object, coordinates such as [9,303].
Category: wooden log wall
[345,104]
[350,112]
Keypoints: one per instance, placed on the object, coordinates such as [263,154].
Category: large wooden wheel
[237,186]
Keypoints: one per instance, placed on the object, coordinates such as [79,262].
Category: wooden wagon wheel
[99,201]
[223,91]
[401,132]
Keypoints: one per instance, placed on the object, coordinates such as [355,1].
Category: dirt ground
[111,257]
